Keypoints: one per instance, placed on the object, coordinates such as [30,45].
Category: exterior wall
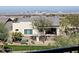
[24,25]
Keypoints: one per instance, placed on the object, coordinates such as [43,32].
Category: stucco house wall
[24,25]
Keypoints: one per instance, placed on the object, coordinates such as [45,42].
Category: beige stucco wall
[24,25]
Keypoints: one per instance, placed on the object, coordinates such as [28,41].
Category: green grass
[23,48]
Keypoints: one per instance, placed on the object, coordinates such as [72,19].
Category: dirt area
[31,42]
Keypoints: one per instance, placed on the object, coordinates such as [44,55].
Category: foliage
[41,23]
[3,32]
[62,41]
[17,36]
[24,40]
[73,20]
[64,23]
[69,21]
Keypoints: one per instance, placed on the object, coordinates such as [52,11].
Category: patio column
[58,33]
[37,38]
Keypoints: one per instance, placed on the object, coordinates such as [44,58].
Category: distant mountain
[39,9]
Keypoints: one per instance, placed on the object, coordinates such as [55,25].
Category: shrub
[17,36]
[62,41]
[24,40]
[3,32]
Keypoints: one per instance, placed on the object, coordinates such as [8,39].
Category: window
[27,31]
[51,31]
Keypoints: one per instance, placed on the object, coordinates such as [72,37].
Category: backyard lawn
[27,48]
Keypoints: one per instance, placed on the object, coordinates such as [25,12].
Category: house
[23,24]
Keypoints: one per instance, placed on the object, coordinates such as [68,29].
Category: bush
[3,32]
[17,36]
[24,40]
[6,48]
[62,41]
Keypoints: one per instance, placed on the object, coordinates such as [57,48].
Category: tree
[3,32]
[73,20]
[41,23]
[64,24]
[70,20]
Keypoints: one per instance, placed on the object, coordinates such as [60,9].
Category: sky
[39,8]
